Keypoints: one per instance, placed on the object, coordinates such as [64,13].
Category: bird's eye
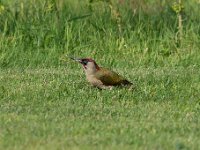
[84,62]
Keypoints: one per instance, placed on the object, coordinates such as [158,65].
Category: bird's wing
[109,77]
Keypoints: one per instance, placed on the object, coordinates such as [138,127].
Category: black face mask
[84,62]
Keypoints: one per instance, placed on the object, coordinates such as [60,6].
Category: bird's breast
[93,80]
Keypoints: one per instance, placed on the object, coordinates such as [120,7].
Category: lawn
[57,109]
[46,102]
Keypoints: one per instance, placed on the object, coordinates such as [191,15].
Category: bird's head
[87,63]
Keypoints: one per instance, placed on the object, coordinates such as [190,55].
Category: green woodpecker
[101,77]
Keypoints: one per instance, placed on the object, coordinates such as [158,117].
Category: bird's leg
[106,87]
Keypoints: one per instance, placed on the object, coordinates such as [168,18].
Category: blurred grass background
[39,33]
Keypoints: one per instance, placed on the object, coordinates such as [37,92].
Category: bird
[100,77]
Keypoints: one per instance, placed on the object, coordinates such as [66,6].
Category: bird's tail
[126,82]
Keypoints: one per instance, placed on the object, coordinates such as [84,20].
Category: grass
[46,103]
[55,109]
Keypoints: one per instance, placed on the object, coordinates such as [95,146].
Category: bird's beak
[76,59]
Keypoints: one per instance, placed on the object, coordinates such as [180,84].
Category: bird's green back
[109,77]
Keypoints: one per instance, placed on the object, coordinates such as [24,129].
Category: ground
[57,109]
